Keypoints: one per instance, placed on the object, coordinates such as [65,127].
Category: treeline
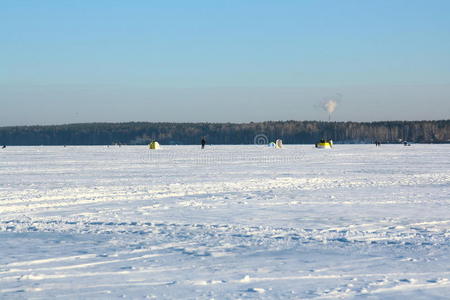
[292,132]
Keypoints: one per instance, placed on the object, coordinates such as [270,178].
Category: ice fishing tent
[279,143]
[324,144]
[154,145]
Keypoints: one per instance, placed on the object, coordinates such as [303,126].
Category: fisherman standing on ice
[203,143]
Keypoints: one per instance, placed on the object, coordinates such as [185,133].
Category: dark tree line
[292,132]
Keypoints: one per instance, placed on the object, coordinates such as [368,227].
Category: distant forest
[291,132]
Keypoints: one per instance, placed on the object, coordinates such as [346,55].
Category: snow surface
[227,222]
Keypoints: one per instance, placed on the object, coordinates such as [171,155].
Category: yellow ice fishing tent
[154,145]
[324,144]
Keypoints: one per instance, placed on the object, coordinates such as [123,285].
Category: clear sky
[66,61]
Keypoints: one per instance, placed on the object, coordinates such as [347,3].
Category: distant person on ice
[203,143]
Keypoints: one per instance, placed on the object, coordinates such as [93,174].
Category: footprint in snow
[256,290]
[437,280]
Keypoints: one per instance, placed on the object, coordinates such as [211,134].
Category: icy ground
[228,222]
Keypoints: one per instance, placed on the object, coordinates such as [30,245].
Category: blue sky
[81,61]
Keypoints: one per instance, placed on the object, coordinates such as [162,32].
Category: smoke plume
[329,105]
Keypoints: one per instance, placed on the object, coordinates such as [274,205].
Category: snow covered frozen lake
[227,222]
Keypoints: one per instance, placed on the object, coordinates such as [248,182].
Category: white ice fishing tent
[279,143]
